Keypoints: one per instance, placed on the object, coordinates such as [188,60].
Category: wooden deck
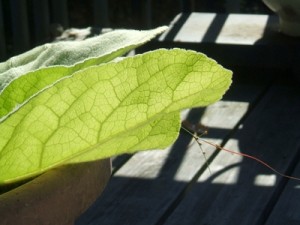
[260,116]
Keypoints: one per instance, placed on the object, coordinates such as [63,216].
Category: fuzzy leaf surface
[107,110]
[24,75]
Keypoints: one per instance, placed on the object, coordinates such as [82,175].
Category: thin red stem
[251,157]
[198,139]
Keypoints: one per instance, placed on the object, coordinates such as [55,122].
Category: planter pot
[57,197]
[289,15]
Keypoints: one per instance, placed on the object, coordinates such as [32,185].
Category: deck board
[240,191]
[232,39]
[258,116]
[143,189]
[286,210]
[235,29]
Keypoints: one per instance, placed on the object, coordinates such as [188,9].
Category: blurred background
[27,23]
[131,13]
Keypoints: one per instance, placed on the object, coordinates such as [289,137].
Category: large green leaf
[62,59]
[107,110]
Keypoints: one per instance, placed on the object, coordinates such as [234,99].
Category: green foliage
[73,108]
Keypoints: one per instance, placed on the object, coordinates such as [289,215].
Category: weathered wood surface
[232,39]
[174,187]
[258,116]
[236,29]
[143,189]
[240,191]
[286,210]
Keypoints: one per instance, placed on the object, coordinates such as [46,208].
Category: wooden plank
[147,13]
[287,208]
[187,5]
[20,28]
[243,29]
[235,40]
[2,35]
[59,10]
[119,161]
[235,29]
[187,31]
[141,191]
[233,6]
[41,21]
[142,12]
[241,191]
[101,14]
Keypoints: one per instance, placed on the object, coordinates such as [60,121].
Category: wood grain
[145,188]
[241,191]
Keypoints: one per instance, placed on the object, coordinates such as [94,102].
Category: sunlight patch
[265,180]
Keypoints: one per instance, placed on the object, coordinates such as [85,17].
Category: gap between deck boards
[144,189]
